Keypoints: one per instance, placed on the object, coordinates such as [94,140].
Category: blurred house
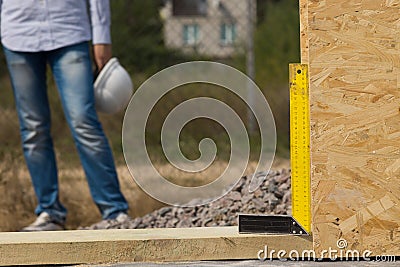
[216,28]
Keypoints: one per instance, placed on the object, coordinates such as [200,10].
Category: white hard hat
[113,88]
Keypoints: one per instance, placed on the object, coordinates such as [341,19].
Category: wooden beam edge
[140,245]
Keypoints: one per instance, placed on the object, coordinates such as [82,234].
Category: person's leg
[28,79]
[72,71]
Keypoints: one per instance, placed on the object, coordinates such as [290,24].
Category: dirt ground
[18,201]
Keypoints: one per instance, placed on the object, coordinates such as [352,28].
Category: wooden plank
[353,54]
[140,245]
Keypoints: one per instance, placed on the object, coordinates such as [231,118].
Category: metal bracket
[270,224]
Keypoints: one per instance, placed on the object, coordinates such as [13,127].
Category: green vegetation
[277,43]
[138,43]
[137,37]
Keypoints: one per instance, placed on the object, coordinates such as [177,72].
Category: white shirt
[43,25]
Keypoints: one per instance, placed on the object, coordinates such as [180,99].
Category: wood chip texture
[353,51]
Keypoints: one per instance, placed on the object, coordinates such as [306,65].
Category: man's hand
[102,54]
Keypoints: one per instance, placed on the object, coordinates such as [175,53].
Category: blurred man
[35,33]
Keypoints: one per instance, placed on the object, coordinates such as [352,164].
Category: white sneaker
[116,223]
[43,223]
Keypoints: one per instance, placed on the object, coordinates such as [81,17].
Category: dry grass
[18,200]
[9,130]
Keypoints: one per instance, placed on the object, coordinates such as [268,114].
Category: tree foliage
[137,36]
[277,43]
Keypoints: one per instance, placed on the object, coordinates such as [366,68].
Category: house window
[228,33]
[190,34]
[189,7]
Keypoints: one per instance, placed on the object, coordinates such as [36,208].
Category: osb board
[304,31]
[354,61]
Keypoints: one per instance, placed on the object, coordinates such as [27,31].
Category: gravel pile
[272,197]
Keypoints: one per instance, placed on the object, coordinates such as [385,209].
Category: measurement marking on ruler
[300,145]
[300,221]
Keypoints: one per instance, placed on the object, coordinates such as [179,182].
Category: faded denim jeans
[71,68]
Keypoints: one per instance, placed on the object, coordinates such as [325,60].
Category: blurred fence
[214,28]
[150,35]
[163,33]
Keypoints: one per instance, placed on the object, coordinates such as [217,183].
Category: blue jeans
[71,68]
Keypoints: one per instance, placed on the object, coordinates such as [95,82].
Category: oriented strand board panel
[353,51]
[303,5]
[140,245]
